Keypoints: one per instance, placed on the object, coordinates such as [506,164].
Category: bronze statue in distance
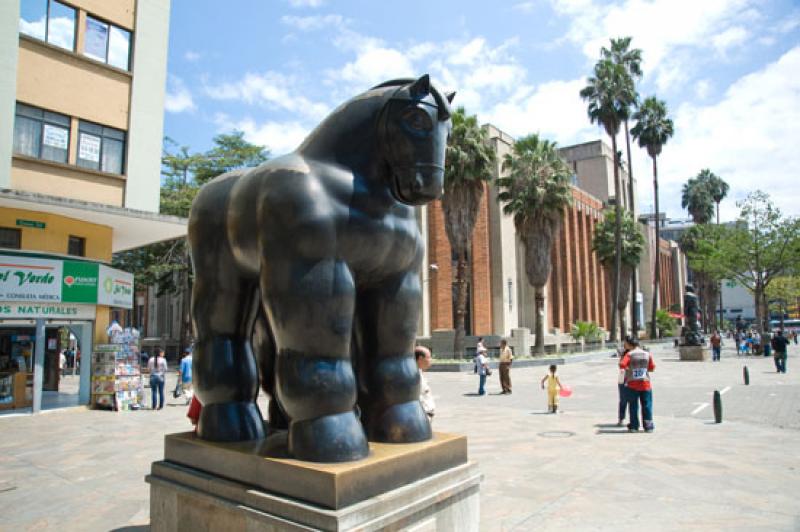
[307,272]
[691,329]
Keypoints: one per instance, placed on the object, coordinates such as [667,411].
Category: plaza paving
[74,469]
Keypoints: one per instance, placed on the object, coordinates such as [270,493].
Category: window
[41,134]
[10,238]
[76,246]
[101,148]
[50,21]
[107,43]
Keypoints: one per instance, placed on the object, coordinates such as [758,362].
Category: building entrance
[40,365]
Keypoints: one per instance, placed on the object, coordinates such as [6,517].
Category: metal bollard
[746,375]
[717,407]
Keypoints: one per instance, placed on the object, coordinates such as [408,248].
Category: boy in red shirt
[638,364]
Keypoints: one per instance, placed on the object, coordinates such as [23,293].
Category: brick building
[580,288]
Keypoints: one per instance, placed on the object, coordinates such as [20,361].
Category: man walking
[506,357]
[780,344]
[716,346]
[482,365]
[638,364]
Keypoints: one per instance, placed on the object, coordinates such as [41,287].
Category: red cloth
[639,386]
[194,411]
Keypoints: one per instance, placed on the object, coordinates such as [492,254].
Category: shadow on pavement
[616,431]
[472,394]
[140,528]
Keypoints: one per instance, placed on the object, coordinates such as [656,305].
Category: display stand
[116,374]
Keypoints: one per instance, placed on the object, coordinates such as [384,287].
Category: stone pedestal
[696,353]
[248,486]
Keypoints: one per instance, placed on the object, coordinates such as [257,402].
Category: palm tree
[469,163]
[535,192]
[631,59]
[610,93]
[652,130]
[633,244]
[696,198]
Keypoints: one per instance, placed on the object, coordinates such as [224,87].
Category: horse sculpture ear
[450,96]
[421,88]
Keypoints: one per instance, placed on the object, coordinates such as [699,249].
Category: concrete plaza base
[244,487]
[697,353]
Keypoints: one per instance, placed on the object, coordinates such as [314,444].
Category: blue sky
[729,71]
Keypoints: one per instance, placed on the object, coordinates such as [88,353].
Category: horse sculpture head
[414,126]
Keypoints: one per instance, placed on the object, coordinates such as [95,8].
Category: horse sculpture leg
[310,309]
[225,373]
[388,322]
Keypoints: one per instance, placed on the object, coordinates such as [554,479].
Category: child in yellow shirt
[553,385]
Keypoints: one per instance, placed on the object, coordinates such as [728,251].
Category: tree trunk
[538,346]
[626,273]
[632,207]
[657,265]
[758,296]
[461,306]
[617,241]
[186,298]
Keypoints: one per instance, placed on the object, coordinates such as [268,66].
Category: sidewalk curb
[468,367]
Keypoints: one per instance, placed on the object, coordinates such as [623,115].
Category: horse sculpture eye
[417,120]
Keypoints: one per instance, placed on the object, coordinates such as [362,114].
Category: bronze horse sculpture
[307,279]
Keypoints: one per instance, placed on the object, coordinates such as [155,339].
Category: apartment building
[81,124]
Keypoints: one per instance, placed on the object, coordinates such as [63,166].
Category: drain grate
[556,434]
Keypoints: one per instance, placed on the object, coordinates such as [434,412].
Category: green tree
[652,130]
[665,323]
[167,265]
[762,246]
[610,93]
[629,58]
[782,294]
[535,191]
[588,330]
[633,243]
[230,151]
[469,164]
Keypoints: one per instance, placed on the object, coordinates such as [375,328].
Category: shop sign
[42,280]
[31,223]
[79,284]
[116,287]
[29,279]
[54,311]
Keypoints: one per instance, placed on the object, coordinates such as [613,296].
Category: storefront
[52,311]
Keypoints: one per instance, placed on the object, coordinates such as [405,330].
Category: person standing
[780,344]
[506,357]
[638,364]
[738,337]
[185,375]
[424,359]
[716,346]
[482,363]
[621,388]
[62,363]
[157,365]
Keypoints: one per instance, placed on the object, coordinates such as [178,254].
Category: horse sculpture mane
[307,280]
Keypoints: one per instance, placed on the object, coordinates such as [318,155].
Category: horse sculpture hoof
[342,434]
[401,423]
[230,422]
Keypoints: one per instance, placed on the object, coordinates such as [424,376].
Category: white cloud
[667,31]
[278,137]
[747,138]
[306,3]
[192,56]
[271,89]
[734,36]
[178,98]
[553,109]
[702,88]
[312,23]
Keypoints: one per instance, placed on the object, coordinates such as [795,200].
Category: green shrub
[588,330]
[666,324]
